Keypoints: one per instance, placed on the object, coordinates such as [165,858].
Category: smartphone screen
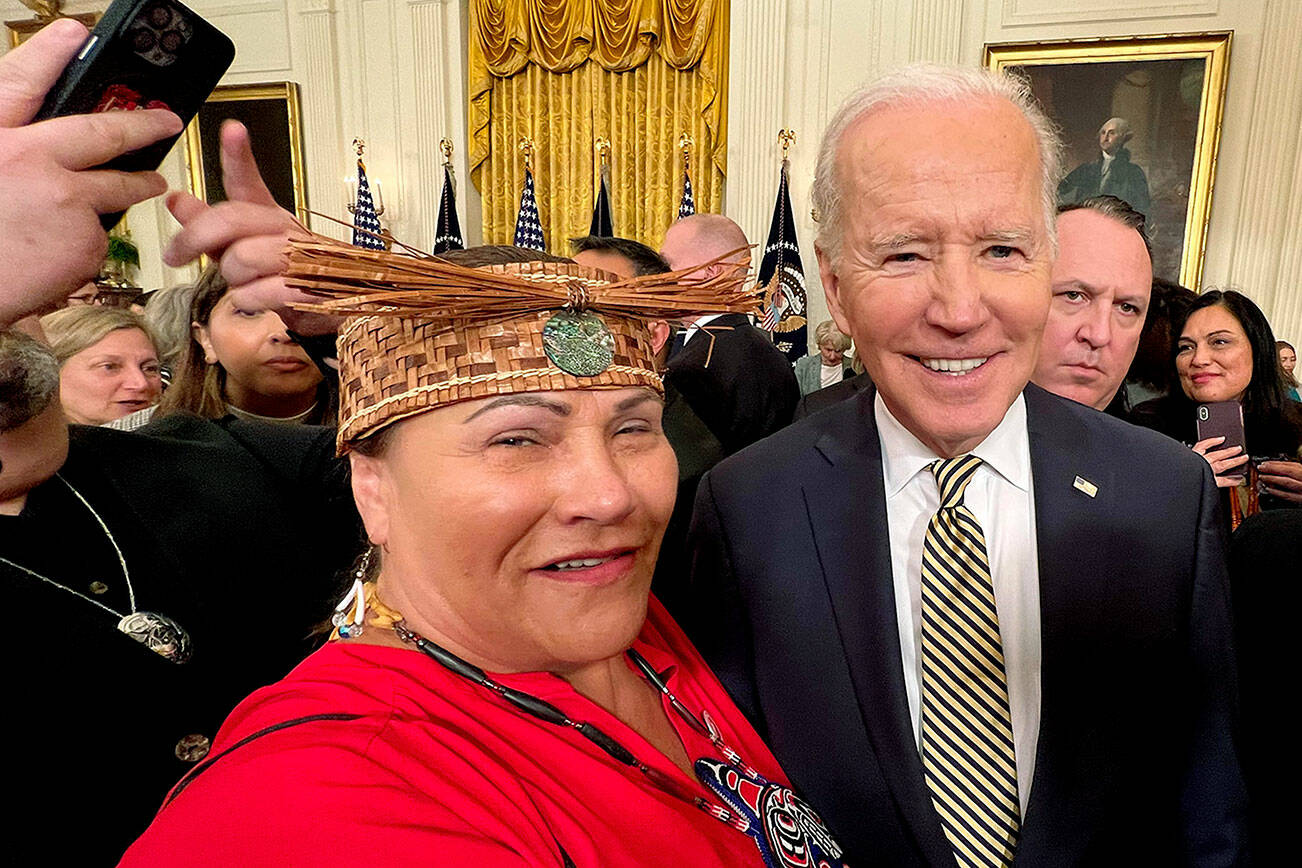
[1223,419]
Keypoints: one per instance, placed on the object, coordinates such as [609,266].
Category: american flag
[447,234]
[687,206]
[364,219]
[528,225]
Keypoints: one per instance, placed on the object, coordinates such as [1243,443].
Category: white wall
[811,54]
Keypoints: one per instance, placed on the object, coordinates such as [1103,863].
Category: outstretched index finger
[240,175]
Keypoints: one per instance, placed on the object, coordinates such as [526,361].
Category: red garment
[440,771]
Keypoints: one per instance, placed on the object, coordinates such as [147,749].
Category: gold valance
[560,35]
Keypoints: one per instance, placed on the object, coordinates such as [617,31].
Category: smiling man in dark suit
[978,623]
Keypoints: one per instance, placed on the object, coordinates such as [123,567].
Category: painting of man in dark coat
[1112,174]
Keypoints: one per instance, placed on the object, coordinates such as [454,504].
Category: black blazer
[833,394]
[797,617]
[238,531]
[746,392]
[1264,552]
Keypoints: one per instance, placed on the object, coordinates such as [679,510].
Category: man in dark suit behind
[728,370]
[695,445]
[977,622]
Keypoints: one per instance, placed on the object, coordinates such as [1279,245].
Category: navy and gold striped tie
[967,733]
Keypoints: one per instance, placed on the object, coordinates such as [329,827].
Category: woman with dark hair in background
[241,361]
[1151,374]
[1287,362]
[1225,351]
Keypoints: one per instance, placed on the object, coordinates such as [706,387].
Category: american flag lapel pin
[1083,484]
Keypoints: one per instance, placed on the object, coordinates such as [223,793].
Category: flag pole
[687,202]
[526,148]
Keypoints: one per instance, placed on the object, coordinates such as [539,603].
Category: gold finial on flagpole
[445,145]
[359,146]
[787,138]
[527,148]
[603,149]
[685,143]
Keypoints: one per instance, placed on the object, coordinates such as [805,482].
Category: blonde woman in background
[828,367]
[108,363]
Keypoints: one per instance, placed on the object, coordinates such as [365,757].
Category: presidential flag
[447,234]
[783,277]
[366,225]
[603,226]
[528,225]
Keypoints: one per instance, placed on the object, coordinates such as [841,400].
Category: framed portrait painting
[1140,119]
[271,113]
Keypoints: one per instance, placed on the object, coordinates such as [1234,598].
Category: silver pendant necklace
[156,632]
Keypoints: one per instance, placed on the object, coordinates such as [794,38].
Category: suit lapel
[1058,460]
[854,554]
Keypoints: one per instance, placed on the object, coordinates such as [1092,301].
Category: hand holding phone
[143,54]
[1221,439]
[49,202]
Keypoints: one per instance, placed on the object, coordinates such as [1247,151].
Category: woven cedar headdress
[424,332]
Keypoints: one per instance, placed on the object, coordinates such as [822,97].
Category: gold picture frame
[271,112]
[1170,90]
[21,31]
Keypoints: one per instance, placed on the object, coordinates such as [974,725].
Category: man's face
[606,260]
[1110,137]
[943,277]
[1102,281]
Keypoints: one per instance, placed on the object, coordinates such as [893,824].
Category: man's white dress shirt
[1000,495]
[695,328]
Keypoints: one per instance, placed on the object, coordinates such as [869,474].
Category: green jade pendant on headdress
[579,343]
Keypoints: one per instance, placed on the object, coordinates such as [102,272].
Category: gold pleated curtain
[564,72]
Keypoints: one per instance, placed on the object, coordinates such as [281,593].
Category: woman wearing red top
[502,693]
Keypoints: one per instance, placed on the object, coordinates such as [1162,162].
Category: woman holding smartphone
[1225,351]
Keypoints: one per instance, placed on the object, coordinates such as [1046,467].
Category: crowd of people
[507,574]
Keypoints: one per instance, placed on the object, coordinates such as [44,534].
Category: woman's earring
[350,614]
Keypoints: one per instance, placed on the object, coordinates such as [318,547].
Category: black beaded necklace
[785,829]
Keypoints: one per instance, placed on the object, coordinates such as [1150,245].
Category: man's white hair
[1124,129]
[920,84]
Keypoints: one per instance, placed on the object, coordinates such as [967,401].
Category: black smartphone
[1223,419]
[142,54]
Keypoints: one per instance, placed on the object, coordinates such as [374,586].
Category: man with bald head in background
[976,622]
[1102,283]
[728,370]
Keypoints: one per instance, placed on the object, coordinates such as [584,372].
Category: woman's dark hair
[1290,381]
[1152,364]
[198,387]
[1272,424]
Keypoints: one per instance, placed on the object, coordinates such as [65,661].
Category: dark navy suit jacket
[795,610]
